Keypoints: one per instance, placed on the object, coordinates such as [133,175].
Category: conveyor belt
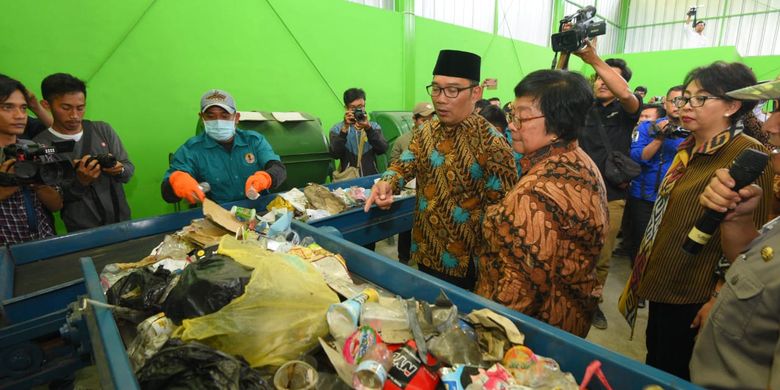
[52,271]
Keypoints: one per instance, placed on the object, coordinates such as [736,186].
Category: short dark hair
[494,99]
[698,22]
[676,88]
[640,88]
[495,115]
[563,97]
[625,71]
[481,103]
[659,109]
[8,86]
[353,94]
[721,77]
[508,107]
[59,84]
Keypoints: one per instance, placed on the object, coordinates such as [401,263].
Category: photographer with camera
[611,120]
[24,209]
[695,33]
[97,196]
[355,141]
[653,147]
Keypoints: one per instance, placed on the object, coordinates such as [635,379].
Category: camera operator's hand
[7,167]
[349,119]
[116,169]
[87,171]
[363,125]
[588,53]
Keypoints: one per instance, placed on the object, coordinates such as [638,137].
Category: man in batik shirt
[462,164]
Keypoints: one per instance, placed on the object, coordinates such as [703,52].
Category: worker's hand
[720,197]
[260,181]
[7,167]
[116,169]
[87,171]
[381,194]
[588,53]
[186,187]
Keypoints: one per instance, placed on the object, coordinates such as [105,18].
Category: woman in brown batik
[542,240]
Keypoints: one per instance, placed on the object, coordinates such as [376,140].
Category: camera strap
[594,115]
[29,209]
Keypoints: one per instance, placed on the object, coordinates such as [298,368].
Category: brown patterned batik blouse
[542,240]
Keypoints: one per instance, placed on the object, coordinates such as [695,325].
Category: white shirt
[76,137]
[694,40]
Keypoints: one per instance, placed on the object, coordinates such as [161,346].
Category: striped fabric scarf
[628,303]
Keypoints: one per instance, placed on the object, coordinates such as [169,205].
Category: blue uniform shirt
[645,186]
[206,160]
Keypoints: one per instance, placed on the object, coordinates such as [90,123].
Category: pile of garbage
[221,304]
[317,201]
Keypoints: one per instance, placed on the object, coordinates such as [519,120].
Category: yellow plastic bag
[280,316]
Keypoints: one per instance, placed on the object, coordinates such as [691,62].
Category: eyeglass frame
[518,121]
[431,88]
[690,99]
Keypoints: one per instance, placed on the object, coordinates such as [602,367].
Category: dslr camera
[36,164]
[670,131]
[692,11]
[105,160]
[360,115]
[582,28]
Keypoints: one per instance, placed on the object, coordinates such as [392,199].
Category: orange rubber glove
[185,186]
[261,180]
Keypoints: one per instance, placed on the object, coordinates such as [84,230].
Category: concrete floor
[616,336]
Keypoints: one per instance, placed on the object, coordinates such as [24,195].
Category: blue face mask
[220,130]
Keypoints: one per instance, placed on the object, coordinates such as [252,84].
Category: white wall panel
[476,14]
[729,23]
[386,4]
[525,20]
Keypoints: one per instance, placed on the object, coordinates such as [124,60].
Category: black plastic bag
[141,290]
[206,286]
[180,365]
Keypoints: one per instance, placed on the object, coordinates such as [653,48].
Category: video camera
[360,115]
[582,27]
[33,165]
[692,11]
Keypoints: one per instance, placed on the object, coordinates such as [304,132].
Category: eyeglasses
[519,121]
[696,101]
[450,92]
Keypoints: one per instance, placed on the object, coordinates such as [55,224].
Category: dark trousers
[638,214]
[670,338]
[404,246]
[466,283]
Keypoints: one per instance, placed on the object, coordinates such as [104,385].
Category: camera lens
[25,170]
[58,172]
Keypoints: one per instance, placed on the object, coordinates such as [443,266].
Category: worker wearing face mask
[237,164]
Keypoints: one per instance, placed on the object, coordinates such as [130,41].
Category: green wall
[147,62]
[765,67]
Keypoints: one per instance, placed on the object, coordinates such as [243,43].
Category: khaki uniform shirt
[739,346]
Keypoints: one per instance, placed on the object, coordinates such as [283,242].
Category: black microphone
[746,169]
